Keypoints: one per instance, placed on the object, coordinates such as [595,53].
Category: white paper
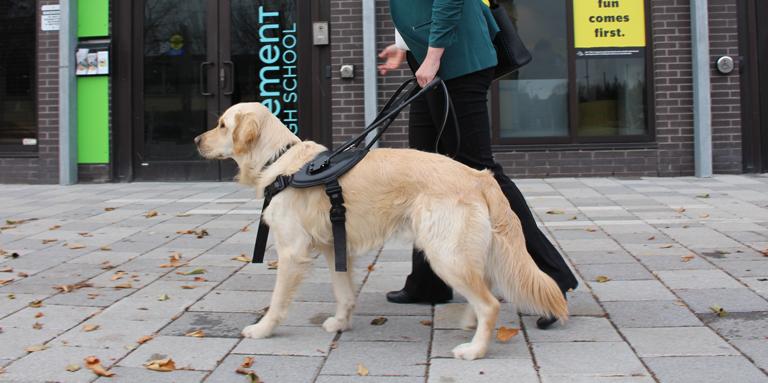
[50,17]
[103,57]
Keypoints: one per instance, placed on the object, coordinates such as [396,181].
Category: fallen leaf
[196,334]
[70,288]
[591,229]
[2,370]
[687,258]
[19,221]
[126,285]
[36,304]
[705,195]
[49,241]
[6,270]
[272,265]
[54,227]
[247,362]
[106,265]
[667,246]
[36,348]
[242,258]
[765,253]
[161,365]
[105,248]
[188,287]
[75,246]
[718,310]
[704,216]
[555,212]
[22,274]
[145,339]
[379,321]
[39,315]
[680,210]
[200,279]
[198,233]
[651,238]
[193,272]
[250,374]
[151,213]
[362,370]
[602,279]
[426,322]
[184,215]
[4,282]
[245,229]
[163,298]
[504,334]
[118,275]
[73,368]
[85,234]
[110,208]
[91,327]
[37,326]
[94,364]
[11,296]
[371,267]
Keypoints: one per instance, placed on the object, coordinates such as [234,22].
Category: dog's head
[236,132]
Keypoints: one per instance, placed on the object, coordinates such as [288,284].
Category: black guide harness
[326,168]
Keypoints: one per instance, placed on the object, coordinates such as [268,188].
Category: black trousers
[469,94]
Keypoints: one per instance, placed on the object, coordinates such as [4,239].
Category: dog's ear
[246,132]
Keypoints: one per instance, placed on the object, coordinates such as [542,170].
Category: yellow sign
[609,23]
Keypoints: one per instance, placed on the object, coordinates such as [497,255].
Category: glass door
[202,56]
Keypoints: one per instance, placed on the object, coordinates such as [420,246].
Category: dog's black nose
[197,140]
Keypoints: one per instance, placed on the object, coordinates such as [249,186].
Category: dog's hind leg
[344,291]
[294,263]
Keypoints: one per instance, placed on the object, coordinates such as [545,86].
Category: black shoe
[404,297]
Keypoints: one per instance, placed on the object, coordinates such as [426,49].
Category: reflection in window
[17,72]
[534,101]
[611,96]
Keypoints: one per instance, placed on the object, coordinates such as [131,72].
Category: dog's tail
[510,266]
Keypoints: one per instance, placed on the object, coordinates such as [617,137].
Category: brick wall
[44,168]
[726,96]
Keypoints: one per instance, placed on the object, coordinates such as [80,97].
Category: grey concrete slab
[288,369]
[732,300]
[394,329]
[213,324]
[587,359]
[50,365]
[381,358]
[135,374]
[53,317]
[577,329]
[289,341]
[650,314]
[483,370]
[233,301]
[616,271]
[631,291]
[677,341]
[444,341]
[739,325]
[206,355]
[697,279]
[711,369]
[367,379]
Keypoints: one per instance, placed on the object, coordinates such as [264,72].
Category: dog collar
[277,157]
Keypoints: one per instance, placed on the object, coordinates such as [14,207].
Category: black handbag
[510,50]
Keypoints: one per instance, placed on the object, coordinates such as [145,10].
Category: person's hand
[394,56]
[429,68]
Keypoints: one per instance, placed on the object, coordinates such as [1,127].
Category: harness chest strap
[338,221]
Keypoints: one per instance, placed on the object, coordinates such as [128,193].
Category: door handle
[204,77]
[229,85]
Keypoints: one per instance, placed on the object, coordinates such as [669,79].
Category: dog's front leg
[344,291]
[293,265]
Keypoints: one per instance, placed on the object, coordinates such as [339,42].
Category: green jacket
[465,28]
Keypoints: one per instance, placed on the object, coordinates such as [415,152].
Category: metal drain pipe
[370,85]
[702,98]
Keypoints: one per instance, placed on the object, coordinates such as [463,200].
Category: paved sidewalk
[666,252]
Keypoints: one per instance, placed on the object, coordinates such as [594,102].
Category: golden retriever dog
[457,215]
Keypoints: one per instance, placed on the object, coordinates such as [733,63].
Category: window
[587,81]
[18,121]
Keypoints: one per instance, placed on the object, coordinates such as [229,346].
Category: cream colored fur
[457,215]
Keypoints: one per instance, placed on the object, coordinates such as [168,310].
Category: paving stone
[395,329]
[381,358]
[601,257]
[443,342]
[90,297]
[711,369]
[377,304]
[282,369]
[587,359]
[739,326]
[206,356]
[50,365]
[233,301]
[14,341]
[135,374]
[677,341]
[289,341]
[732,300]
[566,378]
[650,314]
[483,370]
[368,379]
[212,273]
[10,303]
[616,271]
[631,291]
[697,279]
[581,302]
[217,325]
[674,262]
[746,268]
[577,329]
[54,317]
[755,350]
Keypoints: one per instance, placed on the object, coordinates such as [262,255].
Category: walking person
[453,39]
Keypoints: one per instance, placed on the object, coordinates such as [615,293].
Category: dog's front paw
[335,325]
[257,331]
[468,351]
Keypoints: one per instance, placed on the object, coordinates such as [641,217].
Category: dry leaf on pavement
[371,267]
[379,321]
[193,272]
[73,368]
[145,339]
[91,327]
[49,241]
[504,334]
[151,213]
[555,212]
[719,311]
[39,315]
[4,282]
[245,229]
[242,258]
[105,248]
[200,279]
[75,246]
[272,265]
[37,326]
[36,348]
[362,370]
[687,258]
[118,275]
[250,374]
[36,304]
[161,365]
[94,364]
[426,322]
[188,287]
[667,246]
[6,269]
[602,279]
[247,362]
[126,285]
[163,298]
[196,334]
[54,227]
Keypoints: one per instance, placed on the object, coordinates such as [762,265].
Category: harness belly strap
[259,248]
[338,223]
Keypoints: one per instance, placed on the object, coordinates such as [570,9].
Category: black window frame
[20,150]
[573,140]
